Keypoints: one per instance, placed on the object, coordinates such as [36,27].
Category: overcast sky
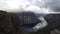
[37,6]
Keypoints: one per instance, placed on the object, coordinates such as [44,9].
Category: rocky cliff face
[28,18]
[53,20]
[9,23]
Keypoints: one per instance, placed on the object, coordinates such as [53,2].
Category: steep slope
[9,23]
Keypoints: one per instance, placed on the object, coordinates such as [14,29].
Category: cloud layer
[53,5]
[37,6]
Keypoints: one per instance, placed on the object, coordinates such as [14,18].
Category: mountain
[28,20]
[9,23]
[40,14]
[53,21]
[28,17]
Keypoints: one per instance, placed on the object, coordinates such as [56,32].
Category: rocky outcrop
[53,20]
[9,23]
[28,18]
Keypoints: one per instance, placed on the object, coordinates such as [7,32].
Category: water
[29,27]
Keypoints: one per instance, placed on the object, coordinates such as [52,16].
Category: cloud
[53,5]
[37,6]
[22,5]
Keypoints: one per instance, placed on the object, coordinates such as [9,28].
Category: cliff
[28,18]
[9,23]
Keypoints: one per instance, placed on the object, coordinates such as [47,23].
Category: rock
[9,23]
[53,20]
[28,17]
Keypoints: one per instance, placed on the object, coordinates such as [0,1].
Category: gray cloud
[18,5]
[53,5]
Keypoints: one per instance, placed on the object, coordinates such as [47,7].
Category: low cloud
[37,6]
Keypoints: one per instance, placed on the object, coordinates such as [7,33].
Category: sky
[37,6]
